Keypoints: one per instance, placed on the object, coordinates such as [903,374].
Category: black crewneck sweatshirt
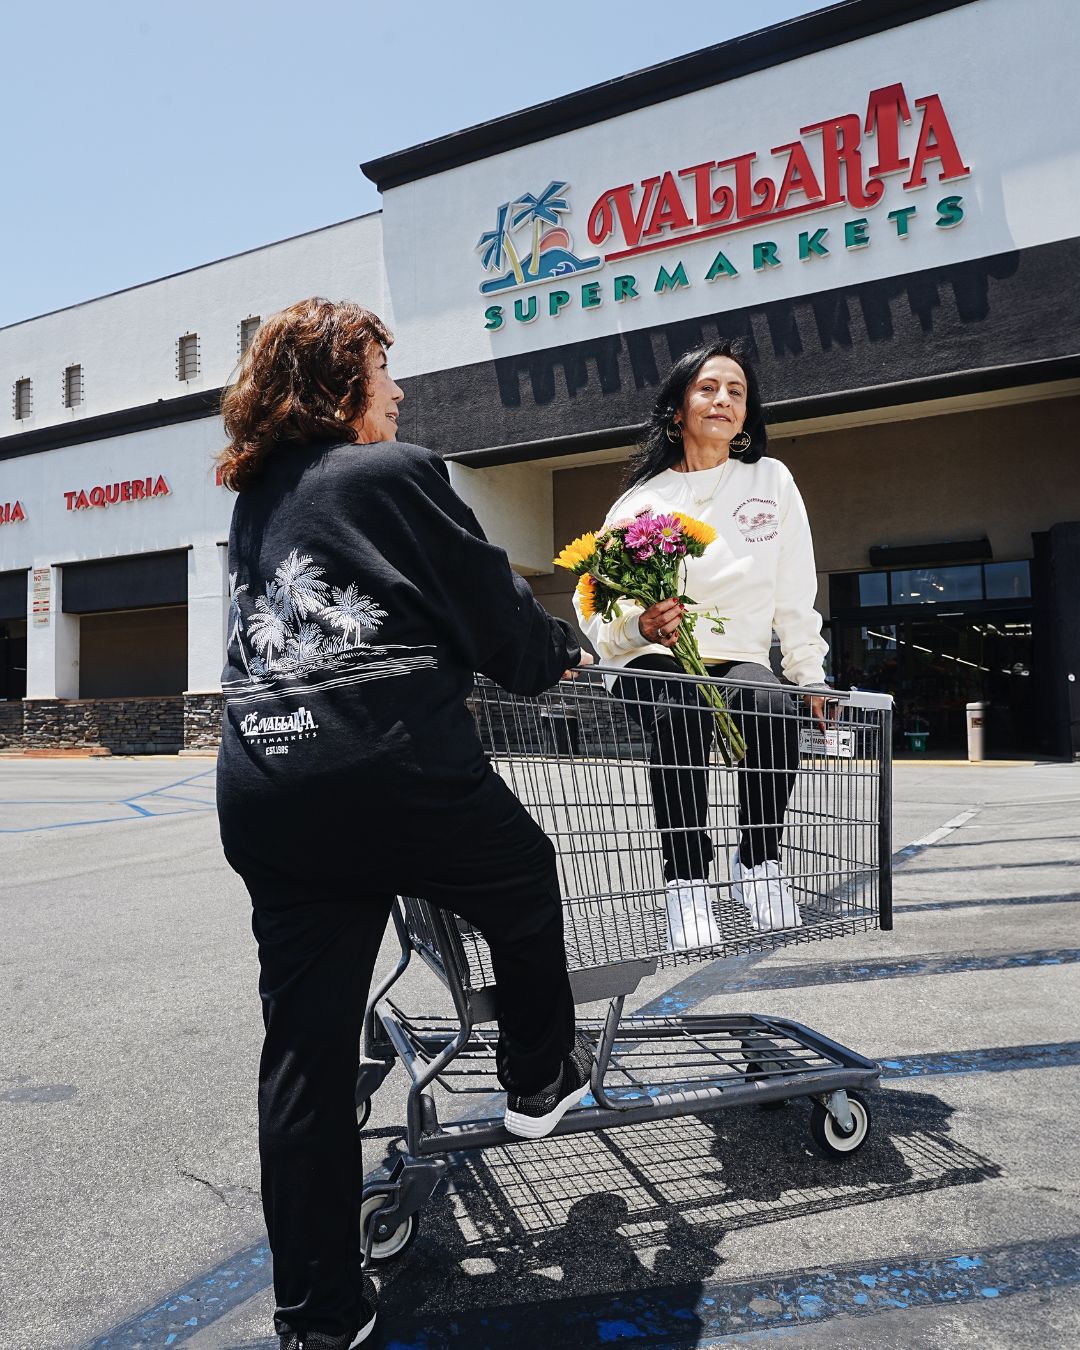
[364,596]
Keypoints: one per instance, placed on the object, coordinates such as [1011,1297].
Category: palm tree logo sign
[529,244]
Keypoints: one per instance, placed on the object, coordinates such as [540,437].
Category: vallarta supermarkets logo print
[738,214]
[529,243]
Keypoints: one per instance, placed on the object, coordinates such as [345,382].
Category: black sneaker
[321,1340]
[536,1116]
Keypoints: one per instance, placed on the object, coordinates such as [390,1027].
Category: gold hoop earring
[741,442]
[340,415]
[678,432]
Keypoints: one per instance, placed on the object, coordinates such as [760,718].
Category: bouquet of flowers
[641,559]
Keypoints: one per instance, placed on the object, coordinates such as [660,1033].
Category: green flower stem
[686,652]
[729,738]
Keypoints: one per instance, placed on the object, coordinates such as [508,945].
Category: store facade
[896,243]
[845,192]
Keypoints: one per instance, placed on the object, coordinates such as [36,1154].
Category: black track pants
[679,725]
[491,864]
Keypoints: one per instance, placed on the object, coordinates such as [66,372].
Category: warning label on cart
[834,742]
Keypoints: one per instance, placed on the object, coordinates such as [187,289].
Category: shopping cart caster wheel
[391,1246]
[828,1135]
[363,1113]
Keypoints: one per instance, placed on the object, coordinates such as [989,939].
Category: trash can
[918,736]
[976,728]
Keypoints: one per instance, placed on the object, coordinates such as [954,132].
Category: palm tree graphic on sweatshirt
[304,628]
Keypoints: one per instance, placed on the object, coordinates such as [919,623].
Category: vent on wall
[187,356]
[248,328]
[73,386]
[23,399]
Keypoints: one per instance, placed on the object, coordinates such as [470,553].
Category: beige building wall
[1003,472]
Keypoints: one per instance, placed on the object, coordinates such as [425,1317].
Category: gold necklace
[704,501]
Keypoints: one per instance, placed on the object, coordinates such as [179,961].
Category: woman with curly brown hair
[365,596]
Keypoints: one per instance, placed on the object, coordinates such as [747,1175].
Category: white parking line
[935,836]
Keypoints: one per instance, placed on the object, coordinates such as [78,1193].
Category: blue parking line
[200,1302]
[180,782]
[998,1059]
[930,906]
[132,803]
[204,1299]
[1002,1059]
[700,1315]
[102,820]
[693,990]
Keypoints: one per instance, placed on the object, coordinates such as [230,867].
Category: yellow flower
[586,594]
[696,529]
[577,555]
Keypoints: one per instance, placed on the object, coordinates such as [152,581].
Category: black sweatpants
[491,864]
[679,725]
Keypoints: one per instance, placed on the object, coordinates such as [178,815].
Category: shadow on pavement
[645,1208]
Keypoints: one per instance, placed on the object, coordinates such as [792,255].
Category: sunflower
[576,557]
[696,529]
[586,595]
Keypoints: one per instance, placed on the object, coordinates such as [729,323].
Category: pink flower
[642,535]
[668,534]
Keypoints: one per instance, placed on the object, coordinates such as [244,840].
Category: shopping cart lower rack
[586,760]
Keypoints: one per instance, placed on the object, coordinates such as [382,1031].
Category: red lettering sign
[11,513]
[839,160]
[108,494]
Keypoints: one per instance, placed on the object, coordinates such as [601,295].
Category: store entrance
[934,664]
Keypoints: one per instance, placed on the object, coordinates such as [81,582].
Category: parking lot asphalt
[129,1207]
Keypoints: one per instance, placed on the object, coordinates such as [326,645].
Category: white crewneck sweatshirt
[758,574]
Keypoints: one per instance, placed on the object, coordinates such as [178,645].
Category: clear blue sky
[141,137]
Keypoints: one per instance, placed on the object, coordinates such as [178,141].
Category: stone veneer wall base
[11,725]
[202,723]
[126,726]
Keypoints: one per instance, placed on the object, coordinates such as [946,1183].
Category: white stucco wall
[513,504]
[194,515]
[126,342]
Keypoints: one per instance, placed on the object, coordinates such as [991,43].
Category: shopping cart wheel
[828,1135]
[363,1113]
[389,1247]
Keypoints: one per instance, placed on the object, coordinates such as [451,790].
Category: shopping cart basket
[582,759]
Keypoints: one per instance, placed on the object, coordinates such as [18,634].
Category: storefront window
[1008,581]
[873,588]
[936,585]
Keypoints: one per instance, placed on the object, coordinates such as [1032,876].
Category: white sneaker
[690,918]
[765,892]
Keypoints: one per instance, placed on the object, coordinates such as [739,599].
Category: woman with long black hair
[703,454]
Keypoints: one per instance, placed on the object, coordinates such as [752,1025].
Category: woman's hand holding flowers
[660,622]
[644,559]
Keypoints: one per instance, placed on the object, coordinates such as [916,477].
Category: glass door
[934,664]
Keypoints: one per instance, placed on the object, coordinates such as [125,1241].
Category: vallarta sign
[843,161]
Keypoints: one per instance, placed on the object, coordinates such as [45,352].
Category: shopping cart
[578,757]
